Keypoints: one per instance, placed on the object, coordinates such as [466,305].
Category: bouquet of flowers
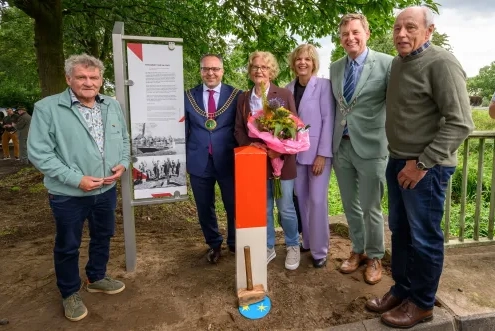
[281,131]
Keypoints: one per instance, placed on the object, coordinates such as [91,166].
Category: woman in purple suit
[315,106]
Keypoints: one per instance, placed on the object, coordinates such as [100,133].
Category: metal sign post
[122,95]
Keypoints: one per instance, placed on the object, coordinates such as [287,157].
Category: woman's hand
[318,165]
[259,145]
[272,154]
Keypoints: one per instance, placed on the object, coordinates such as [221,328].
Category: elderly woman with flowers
[262,70]
[315,107]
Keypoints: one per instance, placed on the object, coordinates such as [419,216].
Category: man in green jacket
[79,141]
[359,84]
[22,124]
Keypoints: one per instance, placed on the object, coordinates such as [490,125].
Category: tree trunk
[48,41]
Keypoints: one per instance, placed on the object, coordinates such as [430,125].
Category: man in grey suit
[359,84]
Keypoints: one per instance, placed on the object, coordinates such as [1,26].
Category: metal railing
[482,137]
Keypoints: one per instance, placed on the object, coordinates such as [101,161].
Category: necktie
[211,110]
[211,104]
[349,86]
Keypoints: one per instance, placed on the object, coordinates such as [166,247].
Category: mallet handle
[249,273]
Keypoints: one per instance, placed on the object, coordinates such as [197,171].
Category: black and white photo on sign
[158,172]
[157,138]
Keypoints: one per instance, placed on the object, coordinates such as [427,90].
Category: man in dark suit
[210,110]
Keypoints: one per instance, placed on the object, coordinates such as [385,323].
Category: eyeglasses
[207,69]
[262,68]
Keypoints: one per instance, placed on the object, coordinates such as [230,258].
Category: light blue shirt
[359,68]
[493,98]
[206,95]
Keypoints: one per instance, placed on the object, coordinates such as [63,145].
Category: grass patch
[483,121]
[37,188]
[7,232]
[25,176]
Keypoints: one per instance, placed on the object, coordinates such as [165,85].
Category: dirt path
[174,288]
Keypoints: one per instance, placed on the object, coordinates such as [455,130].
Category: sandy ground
[174,288]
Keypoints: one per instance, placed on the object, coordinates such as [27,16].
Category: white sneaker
[293,257]
[270,254]
[6,157]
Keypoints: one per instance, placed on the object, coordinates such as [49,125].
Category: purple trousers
[312,194]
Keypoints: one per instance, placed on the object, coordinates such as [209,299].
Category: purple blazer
[317,108]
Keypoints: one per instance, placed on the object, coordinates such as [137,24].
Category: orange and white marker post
[250,215]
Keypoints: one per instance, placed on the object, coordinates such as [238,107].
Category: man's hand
[410,176]
[318,165]
[117,172]
[89,183]
[259,145]
[272,154]
[491,109]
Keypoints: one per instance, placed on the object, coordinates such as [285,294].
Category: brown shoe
[373,272]
[381,305]
[406,315]
[214,254]
[352,263]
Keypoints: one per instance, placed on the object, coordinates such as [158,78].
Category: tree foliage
[233,28]
[19,83]
[48,41]
[483,84]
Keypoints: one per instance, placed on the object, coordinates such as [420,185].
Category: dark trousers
[417,238]
[203,189]
[70,214]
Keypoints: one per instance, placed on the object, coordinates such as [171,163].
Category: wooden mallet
[251,294]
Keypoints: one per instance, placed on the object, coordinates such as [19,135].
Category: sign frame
[119,42]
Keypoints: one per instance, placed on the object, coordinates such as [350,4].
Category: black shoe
[213,255]
[302,249]
[319,263]
[232,249]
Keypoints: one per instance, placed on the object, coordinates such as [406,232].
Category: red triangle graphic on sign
[182,119]
[136,49]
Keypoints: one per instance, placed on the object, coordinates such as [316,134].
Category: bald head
[428,18]
[412,28]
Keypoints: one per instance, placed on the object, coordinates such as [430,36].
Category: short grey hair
[429,18]
[219,57]
[84,60]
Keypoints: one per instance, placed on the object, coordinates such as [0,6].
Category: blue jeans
[417,238]
[287,212]
[70,214]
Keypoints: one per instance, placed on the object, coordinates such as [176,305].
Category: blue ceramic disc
[256,310]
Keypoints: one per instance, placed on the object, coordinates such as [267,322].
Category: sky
[469,25]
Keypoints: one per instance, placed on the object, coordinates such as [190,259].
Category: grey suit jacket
[366,120]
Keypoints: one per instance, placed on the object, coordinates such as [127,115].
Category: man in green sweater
[428,117]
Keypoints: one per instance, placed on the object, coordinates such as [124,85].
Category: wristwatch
[421,166]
